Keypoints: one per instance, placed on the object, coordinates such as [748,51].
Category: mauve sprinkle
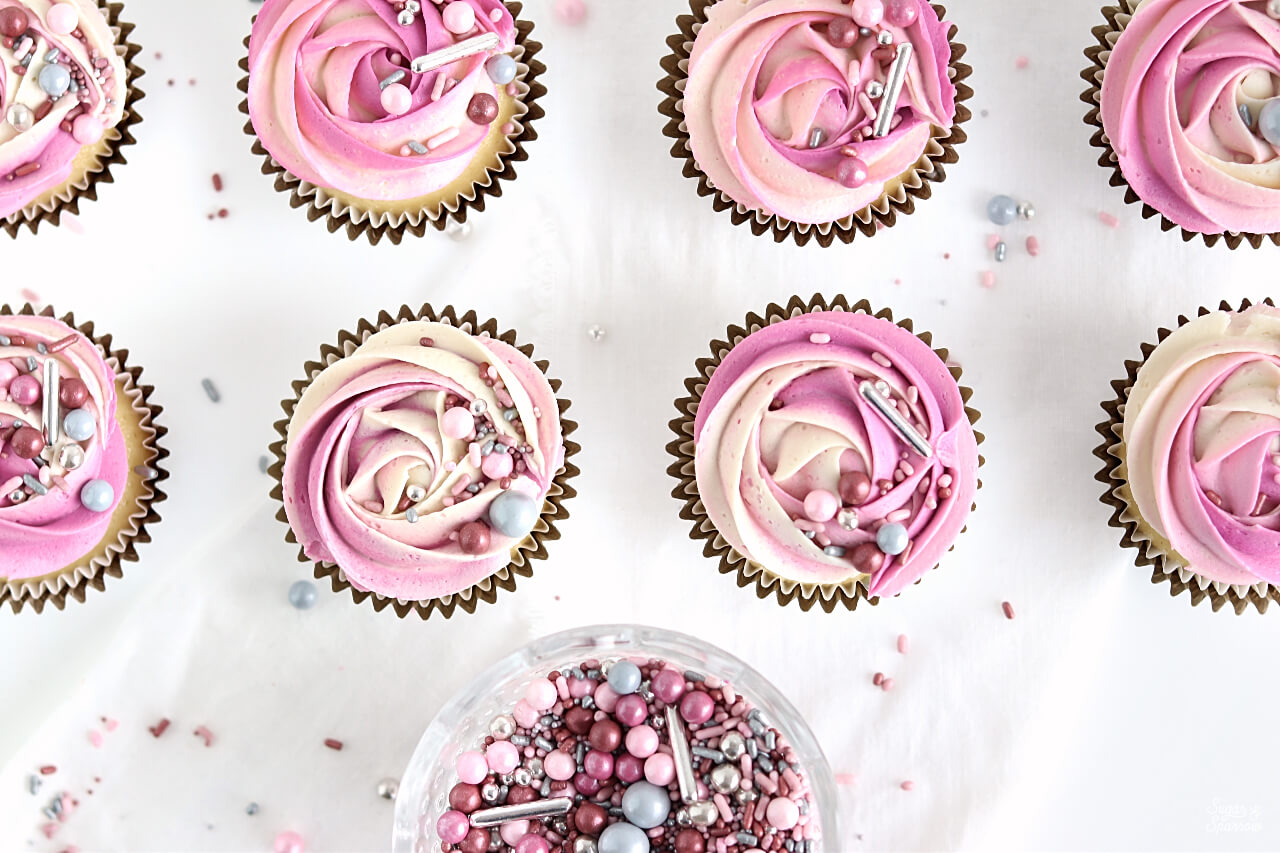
[1007,608]
[903,644]
[217,182]
[222,213]
[877,678]
[211,390]
[333,743]
[159,728]
[48,770]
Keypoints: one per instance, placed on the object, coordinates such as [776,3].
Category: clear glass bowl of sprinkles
[486,708]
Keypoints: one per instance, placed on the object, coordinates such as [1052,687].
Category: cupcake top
[784,100]
[803,472]
[418,461]
[1188,104]
[63,459]
[62,84]
[1202,444]
[335,100]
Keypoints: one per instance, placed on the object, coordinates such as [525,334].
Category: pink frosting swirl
[782,428]
[764,74]
[315,69]
[380,480]
[1171,94]
[1202,444]
[37,153]
[42,533]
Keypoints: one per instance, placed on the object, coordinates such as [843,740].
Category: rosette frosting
[62,84]
[1171,103]
[317,74]
[800,473]
[1202,444]
[769,78]
[404,459]
[47,519]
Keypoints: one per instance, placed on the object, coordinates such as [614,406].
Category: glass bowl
[464,721]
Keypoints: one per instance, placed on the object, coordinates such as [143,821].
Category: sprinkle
[886,684]
[819,338]
[993,240]
[877,678]
[893,89]
[987,279]
[394,77]
[159,728]
[903,644]
[907,785]
[95,738]
[48,770]
[1007,608]
[1021,62]
[35,485]
[251,809]
[881,360]
[442,138]
[62,343]
[33,784]
[110,724]
[845,779]
[1002,252]
[437,89]
[416,147]
[461,50]
[1033,246]
[333,744]
[210,389]
[816,137]
[204,734]
[222,213]
[217,181]
[146,472]
[1108,220]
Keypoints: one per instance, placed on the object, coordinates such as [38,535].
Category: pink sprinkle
[205,735]
[72,224]
[907,785]
[946,256]
[1021,62]
[438,88]
[993,240]
[845,779]
[333,743]
[903,644]
[508,129]
[95,737]
[109,724]
[877,678]
[1007,608]
[442,138]
[1033,246]
[1108,220]
[819,338]
[881,360]
[886,685]
[48,770]
[898,515]
[495,15]
[49,829]
[30,295]
[722,805]
[988,279]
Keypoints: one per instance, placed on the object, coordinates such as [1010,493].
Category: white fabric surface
[1107,715]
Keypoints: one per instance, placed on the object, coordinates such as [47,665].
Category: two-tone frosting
[417,462]
[783,97]
[1183,93]
[62,85]
[802,474]
[333,97]
[63,459]
[1202,444]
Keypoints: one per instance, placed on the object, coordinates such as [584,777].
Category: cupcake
[1184,99]
[815,118]
[79,459]
[826,454]
[388,118]
[1191,456]
[424,461]
[67,100]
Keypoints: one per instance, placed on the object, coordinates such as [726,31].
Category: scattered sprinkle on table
[1021,62]
[210,389]
[159,728]
[988,279]
[904,645]
[1007,608]
[846,779]
[217,182]
[877,678]
[48,770]
[30,295]
[1033,246]
[222,213]
[886,684]
[907,785]
[204,734]
[333,743]
[1108,220]
[95,738]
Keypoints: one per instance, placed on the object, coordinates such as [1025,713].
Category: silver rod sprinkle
[890,413]
[685,775]
[897,75]
[454,52]
[51,385]
[499,815]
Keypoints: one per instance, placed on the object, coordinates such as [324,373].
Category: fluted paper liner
[747,572]
[1167,565]
[338,212]
[93,165]
[136,415]
[915,184]
[1106,35]
[532,547]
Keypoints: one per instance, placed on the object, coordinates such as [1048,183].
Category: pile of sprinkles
[629,756]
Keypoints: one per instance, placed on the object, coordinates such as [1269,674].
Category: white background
[1106,715]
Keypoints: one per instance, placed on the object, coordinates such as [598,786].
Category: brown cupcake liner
[1167,566]
[533,547]
[882,213]
[1106,36]
[747,572]
[108,556]
[66,198]
[375,226]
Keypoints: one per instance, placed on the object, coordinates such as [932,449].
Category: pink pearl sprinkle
[497,465]
[457,423]
[502,756]
[642,741]
[559,766]
[533,844]
[472,767]
[452,827]
[660,769]
[821,505]
[291,842]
